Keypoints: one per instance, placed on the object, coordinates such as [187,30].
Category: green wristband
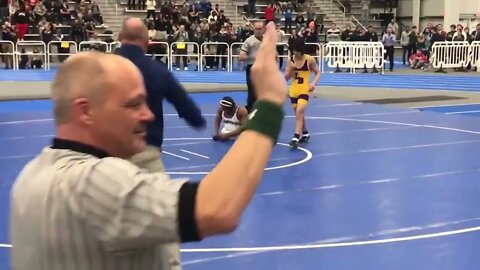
[266,118]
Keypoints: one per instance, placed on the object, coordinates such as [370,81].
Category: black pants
[252,97]
[390,55]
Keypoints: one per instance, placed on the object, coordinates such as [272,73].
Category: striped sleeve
[127,208]
[246,46]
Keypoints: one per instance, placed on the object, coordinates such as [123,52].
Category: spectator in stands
[213,16]
[77,31]
[270,13]
[64,13]
[418,60]
[348,5]
[131,4]
[90,31]
[333,34]
[223,37]
[300,20]
[347,34]
[246,32]
[371,35]
[151,8]
[141,4]
[421,43]
[476,33]
[310,11]
[468,36]
[181,36]
[47,33]
[404,41]
[97,14]
[221,19]
[412,41]
[288,17]
[365,11]
[39,11]
[459,34]
[453,30]
[251,8]
[4,12]
[394,26]
[438,35]
[193,15]
[358,34]
[21,20]
[8,34]
[389,40]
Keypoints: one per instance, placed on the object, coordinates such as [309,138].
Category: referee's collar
[78,147]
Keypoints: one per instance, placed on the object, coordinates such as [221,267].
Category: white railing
[8,57]
[175,46]
[355,55]
[93,45]
[222,57]
[28,51]
[350,55]
[475,54]
[60,45]
[451,54]
[157,45]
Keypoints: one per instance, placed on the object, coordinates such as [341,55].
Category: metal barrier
[93,45]
[450,54]
[240,44]
[216,56]
[183,46]
[475,54]
[355,55]
[318,56]
[154,43]
[284,56]
[365,55]
[113,46]
[233,55]
[8,53]
[61,45]
[20,46]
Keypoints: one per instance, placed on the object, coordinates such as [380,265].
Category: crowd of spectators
[48,20]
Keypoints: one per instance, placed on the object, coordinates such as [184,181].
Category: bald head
[133,30]
[89,75]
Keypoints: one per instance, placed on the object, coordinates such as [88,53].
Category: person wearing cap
[233,117]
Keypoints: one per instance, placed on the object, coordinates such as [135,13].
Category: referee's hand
[269,82]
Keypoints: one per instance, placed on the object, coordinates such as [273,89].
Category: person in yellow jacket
[299,70]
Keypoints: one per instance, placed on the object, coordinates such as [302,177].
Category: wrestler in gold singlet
[299,70]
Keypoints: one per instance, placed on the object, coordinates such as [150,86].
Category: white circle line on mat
[308,156]
[334,245]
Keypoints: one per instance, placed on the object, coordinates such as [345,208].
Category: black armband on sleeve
[186,213]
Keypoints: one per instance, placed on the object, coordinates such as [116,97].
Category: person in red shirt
[21,19]
[270,13]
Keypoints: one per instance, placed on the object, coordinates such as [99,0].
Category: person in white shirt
[81,204]
[405,41]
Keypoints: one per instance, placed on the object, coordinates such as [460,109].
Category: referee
[247,54]
[80,204]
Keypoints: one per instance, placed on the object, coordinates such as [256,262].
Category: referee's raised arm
[81,202]
[225,193]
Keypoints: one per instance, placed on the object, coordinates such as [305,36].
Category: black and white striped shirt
[73,207]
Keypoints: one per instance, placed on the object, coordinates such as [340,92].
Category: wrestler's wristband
[266,118]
